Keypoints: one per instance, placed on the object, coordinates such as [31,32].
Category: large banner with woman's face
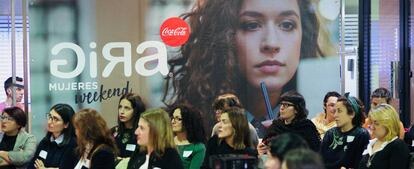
[89,53]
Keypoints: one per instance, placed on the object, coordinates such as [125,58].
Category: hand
[39,164]
[262,149]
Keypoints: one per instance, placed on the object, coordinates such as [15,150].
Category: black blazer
[169,160]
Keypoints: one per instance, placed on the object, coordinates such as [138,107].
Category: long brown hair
[91,128]
[160,130]
[239,122]
[208,64]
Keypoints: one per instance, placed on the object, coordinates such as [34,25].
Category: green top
[192,155]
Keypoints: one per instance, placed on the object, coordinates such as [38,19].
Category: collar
[373,141]
[57,140]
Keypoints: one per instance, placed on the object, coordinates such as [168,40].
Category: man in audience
[8,87]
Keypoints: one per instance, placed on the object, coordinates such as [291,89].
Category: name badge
[412,144]
[350,139]
[187,153]
[130,147]
[43,154]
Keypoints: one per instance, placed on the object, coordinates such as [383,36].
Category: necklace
[369,162]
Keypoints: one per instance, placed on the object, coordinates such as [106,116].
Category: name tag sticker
[187,153]
[130,147]
[350,139]
[43,154]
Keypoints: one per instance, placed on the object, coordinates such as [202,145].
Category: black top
[304,128]
[344,149]
[409,139]
[217,147]
[169,160]
[103,157]
[7,144]
[126,141]
[60,156]
[395,155]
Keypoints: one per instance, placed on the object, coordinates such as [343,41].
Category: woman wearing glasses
[16,146]
[56,149]
[292,119]
[189,135]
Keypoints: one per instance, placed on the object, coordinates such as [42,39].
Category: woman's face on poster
[268,42]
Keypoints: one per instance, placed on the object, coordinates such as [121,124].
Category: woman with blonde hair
[96,145]
[156,141]
[386,150]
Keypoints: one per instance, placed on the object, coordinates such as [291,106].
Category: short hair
[387,117]
[303,159]
[241,127]
[281,144]
[9,82]
[17,114]
[330,94]
[160,130]
[298,103]
[225,101]
[382,93]
[354,106]
[92,128]
[66,112]
[138,107]
[192,123]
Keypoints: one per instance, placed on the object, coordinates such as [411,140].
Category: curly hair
[208,63]
[191,123]
[91,128]
[299,104]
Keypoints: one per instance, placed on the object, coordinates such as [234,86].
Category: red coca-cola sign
[174,31]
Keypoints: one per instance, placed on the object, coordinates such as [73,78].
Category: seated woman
[189,135]
[293,119]
[232,137]
[279,146]
[386,150]
[226,101]
[130,107]
[96,147]
[343,145]
[17,146]
[56,149]
[155,138]
[302,159]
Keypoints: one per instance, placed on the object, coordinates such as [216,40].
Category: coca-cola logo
[174,31]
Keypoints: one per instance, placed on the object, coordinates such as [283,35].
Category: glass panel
[385,45]
[411,21]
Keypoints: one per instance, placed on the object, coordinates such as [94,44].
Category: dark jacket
[304,128]
[62,156]
[102,157]
[169,160]
[394,155]
[122,141]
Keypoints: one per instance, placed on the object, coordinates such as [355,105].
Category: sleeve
[103,159]
[324,150]
[313,138]
[70,159]
[25,152]
[354,153]
[198,157]
[399,157]
[211,145]
[39,147]
[172,160]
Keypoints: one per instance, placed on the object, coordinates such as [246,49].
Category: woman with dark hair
[293,119]
[232,137]
[155,138]
[96,147]
[279,146]
[130,107]
[189,135]
[56,149]
[343,145]
[235,45]
[302,159]
[16,145]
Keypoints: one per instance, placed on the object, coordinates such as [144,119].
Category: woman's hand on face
[262,148]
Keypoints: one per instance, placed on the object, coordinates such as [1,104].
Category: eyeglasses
[53,118]
[286,104]
[176,119]
[6,118]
